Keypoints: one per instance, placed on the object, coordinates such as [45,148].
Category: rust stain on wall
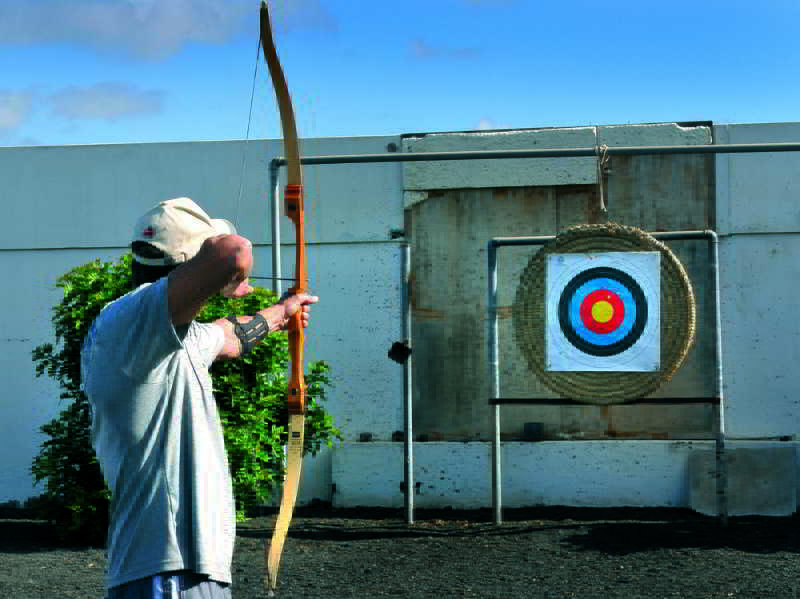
[427,314]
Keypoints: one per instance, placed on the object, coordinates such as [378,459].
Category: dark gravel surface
[541,552]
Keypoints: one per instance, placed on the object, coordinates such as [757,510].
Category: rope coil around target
[604,314]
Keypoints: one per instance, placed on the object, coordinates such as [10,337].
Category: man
[155,426]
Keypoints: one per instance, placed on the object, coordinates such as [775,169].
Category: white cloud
[105,101]
[15,106]
[147,29]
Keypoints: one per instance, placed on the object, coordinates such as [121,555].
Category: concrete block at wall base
[760,481]
[611,473]
[454,475]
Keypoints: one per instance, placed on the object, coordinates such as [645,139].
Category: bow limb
[297,389]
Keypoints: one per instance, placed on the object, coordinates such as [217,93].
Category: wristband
[250,333]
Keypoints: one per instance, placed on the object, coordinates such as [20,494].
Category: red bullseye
[602,311]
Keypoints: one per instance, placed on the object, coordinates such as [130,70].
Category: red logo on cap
[148,232]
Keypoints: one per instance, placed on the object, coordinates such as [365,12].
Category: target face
[603,311]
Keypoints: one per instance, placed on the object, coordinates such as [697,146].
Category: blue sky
[109,71]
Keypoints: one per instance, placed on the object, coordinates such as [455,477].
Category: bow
[297,389]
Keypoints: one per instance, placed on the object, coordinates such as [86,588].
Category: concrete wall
[574,473]
[754,201]
[71,205]
[583,474]
[524,172]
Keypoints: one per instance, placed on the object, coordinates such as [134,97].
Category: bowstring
[316,232]
[311,204]
[243,169]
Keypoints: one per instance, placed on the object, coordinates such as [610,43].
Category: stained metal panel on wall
[450,230]
[449,233]
[451,388]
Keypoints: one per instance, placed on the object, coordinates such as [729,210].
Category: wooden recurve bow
[293,196]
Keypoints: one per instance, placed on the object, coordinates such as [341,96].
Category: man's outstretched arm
[248,331]
[222,266]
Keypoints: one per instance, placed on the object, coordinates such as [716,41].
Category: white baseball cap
[177,227]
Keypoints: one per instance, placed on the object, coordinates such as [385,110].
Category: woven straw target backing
[677,316]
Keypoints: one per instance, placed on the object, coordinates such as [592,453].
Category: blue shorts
[172,585]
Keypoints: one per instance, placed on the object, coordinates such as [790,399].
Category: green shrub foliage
[250,393]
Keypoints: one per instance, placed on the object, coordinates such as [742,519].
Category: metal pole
[277,162]
[548,153]
[494,380]
[274,191]
[660,235]
[408,441]
[494,360]
[721,461]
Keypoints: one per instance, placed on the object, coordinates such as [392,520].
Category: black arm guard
[250,333]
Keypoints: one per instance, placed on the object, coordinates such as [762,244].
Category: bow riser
[296,213]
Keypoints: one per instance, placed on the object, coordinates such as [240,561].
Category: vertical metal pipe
[494,378]
[721,460]
[407,388]
[274,202]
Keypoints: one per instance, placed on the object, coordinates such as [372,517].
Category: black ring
[638,325]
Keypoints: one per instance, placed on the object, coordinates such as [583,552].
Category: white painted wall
[759,223]
[26,402]
[65,206]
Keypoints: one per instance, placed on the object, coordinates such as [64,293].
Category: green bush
[250,394]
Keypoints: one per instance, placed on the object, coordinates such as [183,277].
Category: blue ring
[602,338]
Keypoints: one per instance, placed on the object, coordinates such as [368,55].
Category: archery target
[603,312]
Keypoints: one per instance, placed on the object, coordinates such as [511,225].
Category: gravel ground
[541,552]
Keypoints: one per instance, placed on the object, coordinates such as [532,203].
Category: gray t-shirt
[158,438]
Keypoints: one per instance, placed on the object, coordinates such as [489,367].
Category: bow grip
[297,387]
